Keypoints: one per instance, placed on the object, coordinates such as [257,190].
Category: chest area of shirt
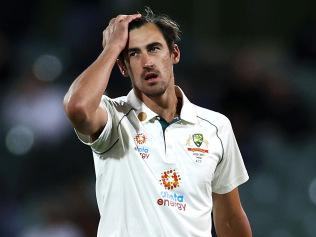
[177,144]
[180,158]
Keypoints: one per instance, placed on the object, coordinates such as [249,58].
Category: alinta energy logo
[140,141]
[140,138]
[170,180]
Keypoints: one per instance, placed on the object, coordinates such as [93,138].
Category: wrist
[109,54]
[112,50]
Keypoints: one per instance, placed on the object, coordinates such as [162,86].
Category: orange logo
[140,138]
[170,179]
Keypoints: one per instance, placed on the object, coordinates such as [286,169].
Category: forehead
[144,35]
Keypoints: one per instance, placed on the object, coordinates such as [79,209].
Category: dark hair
[168,27]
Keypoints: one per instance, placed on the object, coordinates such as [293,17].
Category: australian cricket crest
[197,139]
[197,145]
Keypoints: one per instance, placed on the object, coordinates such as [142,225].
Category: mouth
[150,76]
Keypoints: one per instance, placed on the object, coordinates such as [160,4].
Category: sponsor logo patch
[172,199]
[170,179]
[140,141]
[140,138]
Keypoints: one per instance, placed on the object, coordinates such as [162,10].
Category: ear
[175,54]
[122,67]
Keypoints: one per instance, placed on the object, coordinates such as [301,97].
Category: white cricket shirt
[151,183]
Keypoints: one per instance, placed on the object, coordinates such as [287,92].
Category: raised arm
[229,217]
[82,101]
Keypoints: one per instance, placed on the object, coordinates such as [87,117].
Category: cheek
[132,69]
[167,65]
[134,66]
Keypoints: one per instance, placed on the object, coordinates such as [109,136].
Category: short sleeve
[231,171]
[108,135]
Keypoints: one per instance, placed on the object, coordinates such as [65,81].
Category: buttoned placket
[166,129]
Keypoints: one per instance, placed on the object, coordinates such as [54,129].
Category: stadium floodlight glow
[312,191]
[19,140]
[47,67]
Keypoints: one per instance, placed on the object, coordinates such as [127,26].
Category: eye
[132,54]
[154,49]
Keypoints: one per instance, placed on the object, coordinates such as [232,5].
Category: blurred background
[254,61]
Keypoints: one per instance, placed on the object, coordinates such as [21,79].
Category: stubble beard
[151,91]
[155,91]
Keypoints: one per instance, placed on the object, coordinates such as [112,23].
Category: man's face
[149,61]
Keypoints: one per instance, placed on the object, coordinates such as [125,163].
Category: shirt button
[142,116]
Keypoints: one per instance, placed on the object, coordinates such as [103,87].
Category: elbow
[75,110]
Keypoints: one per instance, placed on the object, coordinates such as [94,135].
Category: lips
[151,75]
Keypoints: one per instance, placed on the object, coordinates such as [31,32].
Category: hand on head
[116,33]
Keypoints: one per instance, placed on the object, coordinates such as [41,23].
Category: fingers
[130,18]
[117,29]
[122,18]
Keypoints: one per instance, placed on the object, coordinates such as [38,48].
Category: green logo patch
[197,139]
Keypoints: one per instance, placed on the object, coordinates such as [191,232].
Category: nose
[147,61]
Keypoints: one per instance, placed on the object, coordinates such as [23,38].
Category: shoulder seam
[125,115]
[217,137]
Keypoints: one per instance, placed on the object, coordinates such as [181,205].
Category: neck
[165,105]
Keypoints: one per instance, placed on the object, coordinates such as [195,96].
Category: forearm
[236,226]
[86,91]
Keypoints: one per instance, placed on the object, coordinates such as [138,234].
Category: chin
[154,91]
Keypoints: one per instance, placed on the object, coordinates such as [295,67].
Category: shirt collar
[188,112]
[140,108]
[145,114]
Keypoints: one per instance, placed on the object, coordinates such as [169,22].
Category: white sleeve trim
[229,187]
[231,171]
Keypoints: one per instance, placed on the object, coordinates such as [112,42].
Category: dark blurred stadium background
[254,61]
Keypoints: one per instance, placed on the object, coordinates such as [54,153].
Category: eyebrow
[153,44]
[136,49]
[132,50]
